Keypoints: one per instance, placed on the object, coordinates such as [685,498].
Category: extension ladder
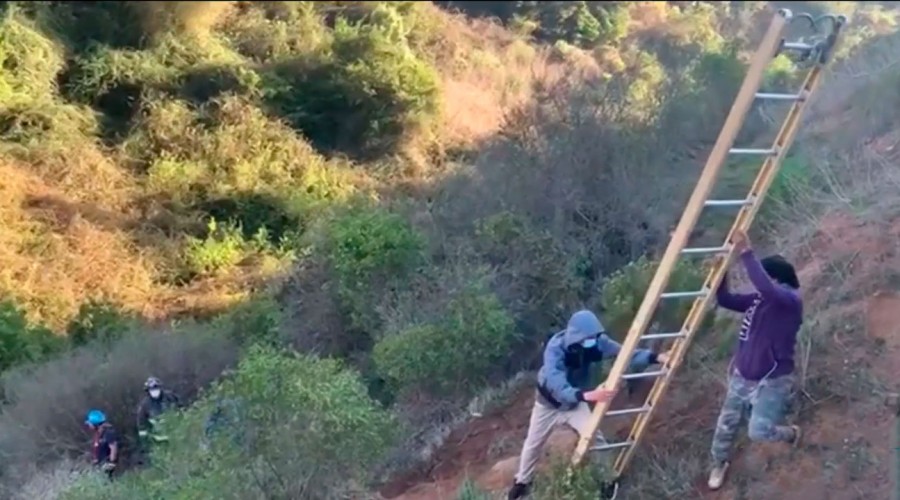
[818,55]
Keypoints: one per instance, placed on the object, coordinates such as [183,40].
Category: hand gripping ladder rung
[770,45]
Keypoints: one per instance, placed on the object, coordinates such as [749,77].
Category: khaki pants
[543,420]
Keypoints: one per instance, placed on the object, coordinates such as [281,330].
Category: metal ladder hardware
[752,151]
[780,97]
[729,203]
[771,44]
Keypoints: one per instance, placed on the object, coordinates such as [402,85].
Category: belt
[545,393]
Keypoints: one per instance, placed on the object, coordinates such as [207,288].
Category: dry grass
[58,251]
[187,17]
[488,72]
[54,256]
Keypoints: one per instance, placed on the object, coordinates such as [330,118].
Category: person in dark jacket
[156,402]
[104,442]
[560,397]
[760,378]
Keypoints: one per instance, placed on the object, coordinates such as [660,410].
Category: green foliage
[222,248]
[583,483]
[468,490]
[366,97]
[585,24]
[297,424]
[543,281]
[100,321]
[21,342]
[454,354]
[370,250]
[256,321]
[624,291]
[30,60]
[647,77]
[272,31]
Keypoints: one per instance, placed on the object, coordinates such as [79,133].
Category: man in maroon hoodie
[761,373]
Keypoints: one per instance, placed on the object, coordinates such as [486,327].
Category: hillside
[356,217]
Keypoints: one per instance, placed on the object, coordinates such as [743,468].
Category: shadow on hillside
[60,213]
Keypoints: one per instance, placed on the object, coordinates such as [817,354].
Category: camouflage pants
[766,403]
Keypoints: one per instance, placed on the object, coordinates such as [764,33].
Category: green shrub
[583,483]
[624,291]
[45,126]
[290,29]
[21,342]
[542,279]
[586,24]
[456,353]
[370,250]
[255,321]
[98,320]
[294,425]
[30,60]
[370,95]
[231,161]
[222,248]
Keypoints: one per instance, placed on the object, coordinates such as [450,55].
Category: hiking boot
[519,490]
[717,476]
[608,491]
[798,434]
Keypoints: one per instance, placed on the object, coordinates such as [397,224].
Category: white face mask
[155,393]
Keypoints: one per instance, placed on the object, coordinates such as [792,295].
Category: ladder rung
[611,446]
[655,336]
[752,151]
[797,46]
[628,411]
[780,97]
[727,203]
[631,376]
[681,295]
[721,249]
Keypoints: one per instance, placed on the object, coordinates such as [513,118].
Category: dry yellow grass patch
[52,257]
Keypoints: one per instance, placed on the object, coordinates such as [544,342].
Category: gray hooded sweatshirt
[566,368]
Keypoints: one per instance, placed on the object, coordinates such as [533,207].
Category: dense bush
[454,354]
[559,481]
[366,97]
[370,251]
[30,61]
[294,427]
[624,291]
[98,321]
[540,278]
[21,342]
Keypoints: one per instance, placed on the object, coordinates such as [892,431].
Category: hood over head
[582,325]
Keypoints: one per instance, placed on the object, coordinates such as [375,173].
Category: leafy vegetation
[296,207]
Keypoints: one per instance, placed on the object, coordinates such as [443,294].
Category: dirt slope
[850,272]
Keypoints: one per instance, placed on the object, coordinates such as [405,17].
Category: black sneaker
[608,491]
[518,491]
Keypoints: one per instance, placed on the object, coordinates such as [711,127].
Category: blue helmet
[95,418]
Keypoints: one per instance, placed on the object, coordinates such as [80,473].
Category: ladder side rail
[743,221]
[733,123]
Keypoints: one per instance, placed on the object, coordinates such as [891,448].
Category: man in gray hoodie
[560,398]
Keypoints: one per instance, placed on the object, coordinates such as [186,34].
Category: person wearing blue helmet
[105,445]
